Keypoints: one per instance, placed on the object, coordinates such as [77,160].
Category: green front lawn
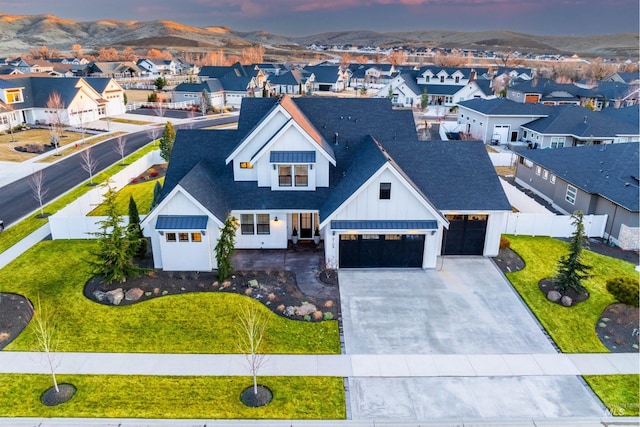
[573,329]
[189,323]
[116,396]
[142,193]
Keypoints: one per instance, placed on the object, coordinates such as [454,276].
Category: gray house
[597,179]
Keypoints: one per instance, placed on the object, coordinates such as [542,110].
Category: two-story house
[351,170]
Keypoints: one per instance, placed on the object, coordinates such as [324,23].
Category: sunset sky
[305,17]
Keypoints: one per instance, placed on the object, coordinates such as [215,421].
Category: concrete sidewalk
[355,365]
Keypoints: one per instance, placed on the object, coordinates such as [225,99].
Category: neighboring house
[350,168]
[501,121]
[595,179]
[571,125]
[449,75]
[408,87]
[626,78]
[327,78]
[546,91]
[83,100]
[498,120]
[193,92]
[288,82]
[116,69]
[364,75]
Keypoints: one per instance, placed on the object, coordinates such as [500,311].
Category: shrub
[327,315]
[504,243]
[625,289]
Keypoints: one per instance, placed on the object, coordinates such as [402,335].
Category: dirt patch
[53,397]
[15,314]
[276,289]
[508,261]
[619,328]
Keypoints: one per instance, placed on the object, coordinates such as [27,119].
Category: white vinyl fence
[71,222]
[502,159]
[536,224]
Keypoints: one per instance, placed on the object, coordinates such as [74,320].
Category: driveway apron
[466,307]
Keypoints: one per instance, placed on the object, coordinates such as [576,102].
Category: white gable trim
[278,109]
[389,167]
[290,123]
[178,189]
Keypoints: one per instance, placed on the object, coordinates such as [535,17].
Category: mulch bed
[249,398]
[51,397]
[547,285]
[15,314]
[619,328]
[508,261]
[154,172]
[276,289]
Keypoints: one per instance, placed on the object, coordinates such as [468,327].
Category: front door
[306,225]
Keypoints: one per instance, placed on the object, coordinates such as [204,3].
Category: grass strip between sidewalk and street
[173,397]
[22,229]
[619,393]
[201,322]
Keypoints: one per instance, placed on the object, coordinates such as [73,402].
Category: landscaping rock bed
[508,261]
[567,298]
[276,289]
[619,328]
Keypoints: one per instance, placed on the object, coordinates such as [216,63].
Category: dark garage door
[465,235]
[324,87]
[381,250]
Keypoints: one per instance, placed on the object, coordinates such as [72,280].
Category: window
[427,79]
[13,96]
[246,165]
[557,142]
[171,237]
[538,170]
[196,237]
[284,176]
[552,179]
[571,194]
[441,79]
[183,237]
[246,223]
[385,191]
[262,224]
[545,174]
[457,79]
[301,175]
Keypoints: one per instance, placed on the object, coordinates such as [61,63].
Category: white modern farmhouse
[349,170]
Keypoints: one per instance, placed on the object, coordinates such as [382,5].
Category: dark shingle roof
[608,170]
[324,73]
[581,122]
[453,176]
[506,107]
[626,114]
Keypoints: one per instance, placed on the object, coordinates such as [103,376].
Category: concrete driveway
[467,307]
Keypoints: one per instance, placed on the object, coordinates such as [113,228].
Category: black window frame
[385,191]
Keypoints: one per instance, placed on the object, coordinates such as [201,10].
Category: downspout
[612,222]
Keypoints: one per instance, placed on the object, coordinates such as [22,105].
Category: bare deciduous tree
[154,132]
[44,330]
[251,327]
[88,163]
[160,109]
[55,107]
[253,54]
[119,147]
[76,49]
[36,182]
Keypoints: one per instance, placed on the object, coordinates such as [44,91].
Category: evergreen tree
[166,141]
[225,247]
[571,270]
[134,230]
[113,258]
[157,192]
[424,99]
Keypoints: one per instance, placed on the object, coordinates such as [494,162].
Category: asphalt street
[17,201]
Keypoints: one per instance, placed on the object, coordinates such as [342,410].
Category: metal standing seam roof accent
[181,222]
[292,157]
[384,225]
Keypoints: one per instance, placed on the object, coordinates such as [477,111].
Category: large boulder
[133,294]
[115,296]
[566,301]
[554,296]
[306,309]
[99,295]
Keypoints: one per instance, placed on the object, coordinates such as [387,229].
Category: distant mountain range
[20,34]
